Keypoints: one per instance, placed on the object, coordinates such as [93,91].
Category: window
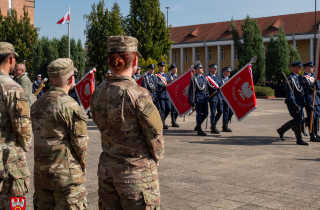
[10,6]
[210,54]
[235,54]
[223,54]
[175,58]
[187,56]
[198,55]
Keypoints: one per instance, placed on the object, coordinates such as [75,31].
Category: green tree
[283,54]
[101,24]
[271,57]
[81,60]
[147,23]
[21,33]
[251,45]
[293,55]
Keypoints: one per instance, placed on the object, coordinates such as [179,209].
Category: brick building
[18,5]
[214,40]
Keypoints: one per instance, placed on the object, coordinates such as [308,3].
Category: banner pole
[69,32]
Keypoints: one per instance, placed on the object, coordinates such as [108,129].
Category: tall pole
[315,30]
[167,16]
[69,32]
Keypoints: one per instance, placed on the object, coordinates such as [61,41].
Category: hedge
[263,91]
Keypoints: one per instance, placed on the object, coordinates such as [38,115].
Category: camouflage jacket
[60,140]
[24,81]
[15,128]
[131,131]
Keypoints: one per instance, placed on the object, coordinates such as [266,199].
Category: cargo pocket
[20,175]
[20,187]
[152,200]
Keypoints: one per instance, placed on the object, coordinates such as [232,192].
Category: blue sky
[181,12]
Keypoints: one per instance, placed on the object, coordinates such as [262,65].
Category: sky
[181,12]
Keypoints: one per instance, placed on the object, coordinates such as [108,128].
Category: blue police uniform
[174,112]
[164,99]
[227,112]
[216,101]
[72,92]
[35,86]
[198,96]
[137,76]
[150,83]
[295,102]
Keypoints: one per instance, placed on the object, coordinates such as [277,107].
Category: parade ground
[250,168]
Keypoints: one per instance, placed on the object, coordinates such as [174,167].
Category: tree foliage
[21,34]
[293,55]
[145,63]
[147,23]
[46,51]
[251,45]
[100,25]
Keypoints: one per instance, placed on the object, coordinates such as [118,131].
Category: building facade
[18,5]
[213,43]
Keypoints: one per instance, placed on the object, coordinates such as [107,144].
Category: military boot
[316,129]
[200,132]
[174,122]
[196,128]
[313,136]
[214,129]
[225,128]
[297,131]
[285,128]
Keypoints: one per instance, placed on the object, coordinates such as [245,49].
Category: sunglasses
[17,69]
[74,75]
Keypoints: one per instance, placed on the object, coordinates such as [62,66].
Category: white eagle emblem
[87,89]
[245,91]
[18,203]
[185,91]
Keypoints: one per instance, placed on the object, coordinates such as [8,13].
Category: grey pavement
[250,168]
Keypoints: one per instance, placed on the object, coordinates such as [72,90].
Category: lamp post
[167,16]
[315,30]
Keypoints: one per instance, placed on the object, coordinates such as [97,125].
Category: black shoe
[201,133]
[281,134]
[316,129]
[285,128]
[214,129]
[313,137]
[297,131]
[225,128]
[174,123]
[196,128]
[165,126]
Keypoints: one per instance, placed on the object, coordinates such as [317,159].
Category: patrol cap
[298,64]
[139,67]
[214,65]
[60,67]
[6,48]
[161,63]
[197,66]
[108,71]
[226,69]
[308,64]
[123,44]
[39,75]
[173,66]
[151,66]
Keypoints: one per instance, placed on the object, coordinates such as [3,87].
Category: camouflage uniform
[60,147]
[132,144]
[24,81]
[15,137]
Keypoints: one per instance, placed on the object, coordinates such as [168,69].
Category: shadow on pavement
[318,159]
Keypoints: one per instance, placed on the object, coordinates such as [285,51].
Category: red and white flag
[85,88]
[212,82]
[139,81]
[65,18]
[317,72]
[18,203]
[239,93]
[178,91]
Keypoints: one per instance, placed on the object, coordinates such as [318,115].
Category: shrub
[263,91]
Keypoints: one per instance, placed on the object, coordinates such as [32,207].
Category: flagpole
[69,33]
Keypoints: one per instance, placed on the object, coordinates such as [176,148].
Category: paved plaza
[250,168]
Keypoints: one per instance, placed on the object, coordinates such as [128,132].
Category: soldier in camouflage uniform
[60,143]
[15,131]
[131,134]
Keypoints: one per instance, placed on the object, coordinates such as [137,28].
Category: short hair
[4,57]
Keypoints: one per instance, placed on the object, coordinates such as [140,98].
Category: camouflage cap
[60,67]
[6,47]
[123,44]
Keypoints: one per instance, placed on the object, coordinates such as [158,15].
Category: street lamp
[167,16]
[315,31]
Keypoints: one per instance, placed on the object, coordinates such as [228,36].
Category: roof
[300,23]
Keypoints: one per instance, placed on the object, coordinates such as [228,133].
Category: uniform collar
[212,74]
[122,77]
[55,88]
[18,77]
[295,74]
[198,74]
[306,73]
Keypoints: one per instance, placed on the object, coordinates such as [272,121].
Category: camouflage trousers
[12,187]
[128,196]
[73,197]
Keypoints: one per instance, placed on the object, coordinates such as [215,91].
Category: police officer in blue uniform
[174,113]
[216,101]
[72,92]
[36,85]
[198,96]
[227,112]
[295,100]
[107,73]
[165,104]
[310,84]
[150,83]
[137,75]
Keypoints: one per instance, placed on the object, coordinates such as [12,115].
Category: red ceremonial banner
[239,93]
[317,72]
[139,81]
[178,92]
[85,88]
[18,203]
